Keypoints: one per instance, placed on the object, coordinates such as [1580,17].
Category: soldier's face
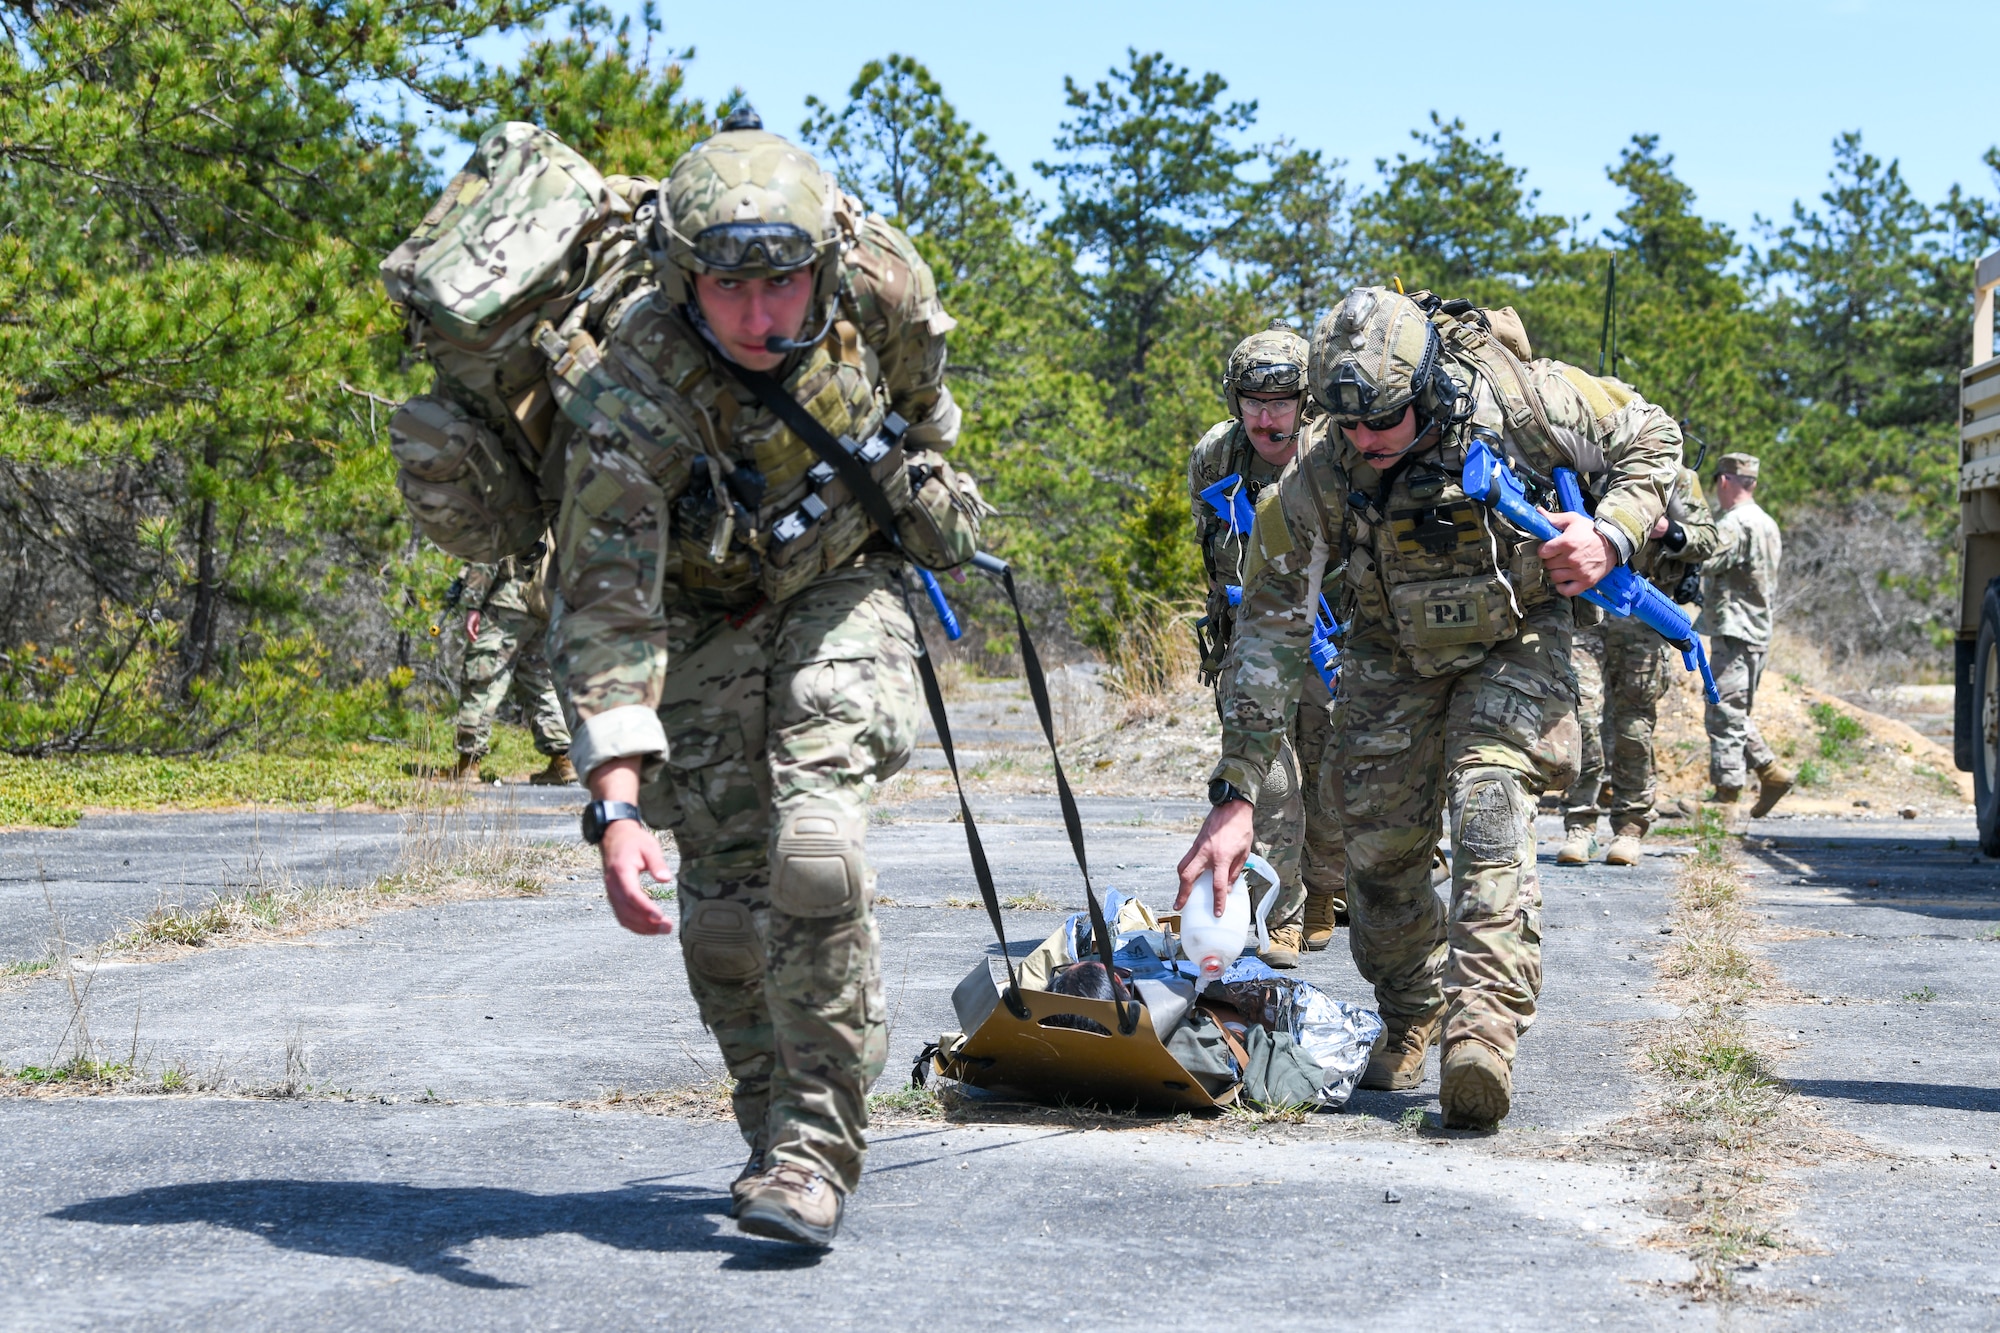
[1272,425]
[743,312]
[1384,446]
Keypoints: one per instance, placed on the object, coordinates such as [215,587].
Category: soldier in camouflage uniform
[1634,661]
[1456,689]
[1265,389]
[732,636]
[507,625]
[1741,584]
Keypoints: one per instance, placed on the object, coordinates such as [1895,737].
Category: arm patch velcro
[1270,535]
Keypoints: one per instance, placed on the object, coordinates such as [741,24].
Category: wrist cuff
[616,733]
[1620,543]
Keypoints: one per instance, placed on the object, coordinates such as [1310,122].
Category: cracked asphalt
[457,1164]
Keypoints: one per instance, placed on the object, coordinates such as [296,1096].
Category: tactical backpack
[526,231]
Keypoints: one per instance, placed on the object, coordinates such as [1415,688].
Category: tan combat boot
[1578,847]
[739,1188]
[559,773]
[1322,916]
[791,1203]
[1772,784]
[1624,849]
[1476,1088]
[1726,795]
[1397,1062]
[467,769]
[1283,953]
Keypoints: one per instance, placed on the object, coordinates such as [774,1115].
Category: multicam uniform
[1456,686]
[1636,663]
[1296,828]
[1741,581]
[769,692]
[508,655]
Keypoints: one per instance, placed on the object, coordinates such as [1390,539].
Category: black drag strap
[861,484]
[1038,687]
[981,870]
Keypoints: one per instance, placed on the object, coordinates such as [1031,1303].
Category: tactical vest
[750,511]
[1413,552]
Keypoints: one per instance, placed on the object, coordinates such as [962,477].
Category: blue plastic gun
[1233,509]
[1325,648]
[1622,592]
[941,606]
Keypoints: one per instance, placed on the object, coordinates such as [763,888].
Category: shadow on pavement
[1951,1096]
[419,1228]
[1938,877]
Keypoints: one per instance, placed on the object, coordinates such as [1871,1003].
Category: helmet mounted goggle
[728,247]
[1271,377]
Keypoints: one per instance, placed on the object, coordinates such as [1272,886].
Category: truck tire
[1986,722]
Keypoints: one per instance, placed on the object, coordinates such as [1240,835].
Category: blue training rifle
[943,608]
[1231,503]
[1622,592]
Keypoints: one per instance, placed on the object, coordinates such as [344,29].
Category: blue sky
[1748,96]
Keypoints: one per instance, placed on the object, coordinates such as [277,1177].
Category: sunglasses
[1388,421]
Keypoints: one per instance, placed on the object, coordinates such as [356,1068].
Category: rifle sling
[874,501]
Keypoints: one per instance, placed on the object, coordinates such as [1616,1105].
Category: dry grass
[1154,667]
[1726,1121]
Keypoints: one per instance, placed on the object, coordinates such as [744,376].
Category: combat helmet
[1376,352]
[750,203]
[1270,361]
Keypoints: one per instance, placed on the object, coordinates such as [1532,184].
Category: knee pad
[817,868]
[720,942]
[1487,825]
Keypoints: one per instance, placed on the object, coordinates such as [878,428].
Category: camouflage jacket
[1223,451]
[677,481]
[1687,507]
[1741,577]
[513,584]
[1407,558]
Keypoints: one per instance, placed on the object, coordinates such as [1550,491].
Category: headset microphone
[781,346]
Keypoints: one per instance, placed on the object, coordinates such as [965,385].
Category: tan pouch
[1436,622]
[465,488]
[939,526]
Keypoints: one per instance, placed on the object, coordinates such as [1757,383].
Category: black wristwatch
[1222,791]
[601,815]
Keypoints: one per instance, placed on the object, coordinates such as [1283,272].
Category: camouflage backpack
[526,231]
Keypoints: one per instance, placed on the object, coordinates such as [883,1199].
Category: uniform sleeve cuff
[1620,540]
[617,733]
[1249,784]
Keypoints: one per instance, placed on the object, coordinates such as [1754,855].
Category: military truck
[1976,725]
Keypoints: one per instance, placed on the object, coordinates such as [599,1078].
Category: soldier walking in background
[1622,669]
[1740,585]
[1456,690]
[507,626]
[1297,831]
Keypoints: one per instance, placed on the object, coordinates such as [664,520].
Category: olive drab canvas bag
[527,231]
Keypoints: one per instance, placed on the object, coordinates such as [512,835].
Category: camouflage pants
[779,726]
[1733,739]
[1323,868]
[507,655]
[1483,741]
[1294,823]
[1621,673]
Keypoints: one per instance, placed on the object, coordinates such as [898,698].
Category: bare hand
[1660,526]
[630,847]
[1222,846]
[1578,558]
[472,626]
